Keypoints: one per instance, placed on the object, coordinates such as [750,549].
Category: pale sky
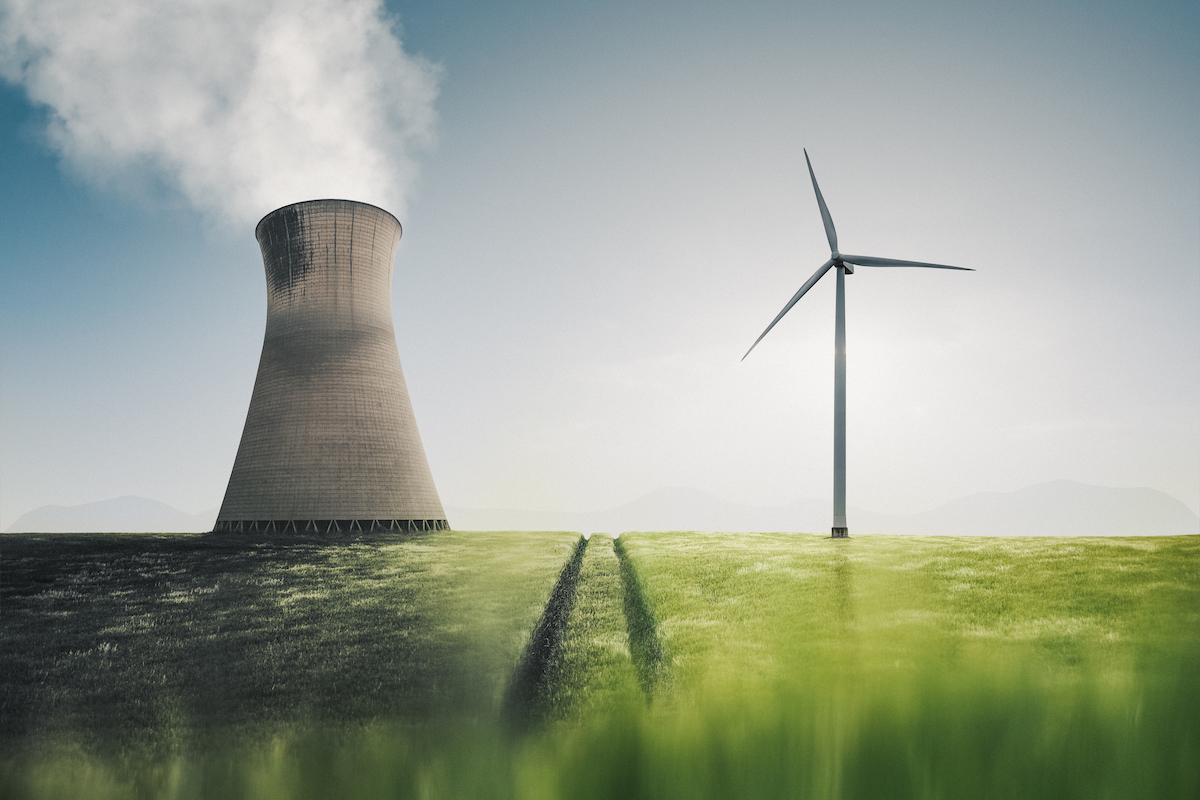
[604,205]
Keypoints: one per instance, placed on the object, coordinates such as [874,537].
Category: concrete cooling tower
[330,442]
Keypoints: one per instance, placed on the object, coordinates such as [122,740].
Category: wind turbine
[845,266]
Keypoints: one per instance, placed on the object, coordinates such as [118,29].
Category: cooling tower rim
[326,200]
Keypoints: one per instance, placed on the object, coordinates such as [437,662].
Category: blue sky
[611,206]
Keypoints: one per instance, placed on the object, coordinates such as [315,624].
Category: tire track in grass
[527,699]
[595,675]
[649,655]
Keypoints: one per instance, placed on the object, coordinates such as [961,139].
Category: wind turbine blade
[872,261]
[808,284]
[830,232]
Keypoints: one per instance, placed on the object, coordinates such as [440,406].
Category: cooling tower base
[329,525]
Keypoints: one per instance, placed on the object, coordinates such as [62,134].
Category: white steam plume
[243,105]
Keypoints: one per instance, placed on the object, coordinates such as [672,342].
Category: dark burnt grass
[112,641]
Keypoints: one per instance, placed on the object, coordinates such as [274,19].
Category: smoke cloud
[242,105]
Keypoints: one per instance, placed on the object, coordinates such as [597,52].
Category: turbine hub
[835,255]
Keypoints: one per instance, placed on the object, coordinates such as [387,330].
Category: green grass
[690,666]
[595,673]
[939,667]
[760,607]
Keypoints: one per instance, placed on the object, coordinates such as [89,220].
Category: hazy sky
[604,205]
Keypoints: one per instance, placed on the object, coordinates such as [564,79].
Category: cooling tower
[330,442]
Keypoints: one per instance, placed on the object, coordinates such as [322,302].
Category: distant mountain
[121,515]
[1059,508]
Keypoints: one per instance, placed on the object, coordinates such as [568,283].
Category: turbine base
[840,533]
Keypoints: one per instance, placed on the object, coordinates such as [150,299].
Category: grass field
[167,641]
[910,667]
[671,665]
[755,607]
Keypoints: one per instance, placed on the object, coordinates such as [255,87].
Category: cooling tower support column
[330,442]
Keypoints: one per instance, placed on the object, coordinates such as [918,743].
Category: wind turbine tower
[845,265]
